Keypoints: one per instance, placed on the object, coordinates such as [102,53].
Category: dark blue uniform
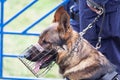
[110,34]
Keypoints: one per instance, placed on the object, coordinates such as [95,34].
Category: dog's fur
[77,59]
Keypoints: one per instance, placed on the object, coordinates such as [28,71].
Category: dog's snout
[28,56]
[31,53]
[31,56]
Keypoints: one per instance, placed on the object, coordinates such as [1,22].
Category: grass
[15,44]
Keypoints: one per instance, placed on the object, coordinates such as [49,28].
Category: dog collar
[110,76]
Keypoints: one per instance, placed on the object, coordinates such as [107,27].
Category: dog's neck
[70,50]
[72,61]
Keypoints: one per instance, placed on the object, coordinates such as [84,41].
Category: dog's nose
[27,55]
[31,57]
[31,53]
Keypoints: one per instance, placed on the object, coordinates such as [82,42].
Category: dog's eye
[45,42]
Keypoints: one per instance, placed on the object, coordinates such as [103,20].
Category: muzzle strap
[39,47]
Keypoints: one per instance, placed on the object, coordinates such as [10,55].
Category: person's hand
[95,7]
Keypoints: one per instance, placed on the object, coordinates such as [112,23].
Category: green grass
[15,44]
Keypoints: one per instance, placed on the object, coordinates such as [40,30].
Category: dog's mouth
[44,62]
[36,58]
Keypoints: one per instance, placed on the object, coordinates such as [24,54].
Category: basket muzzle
[37,59]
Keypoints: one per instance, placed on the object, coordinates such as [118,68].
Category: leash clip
[98,45]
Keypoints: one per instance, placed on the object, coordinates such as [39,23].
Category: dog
[76,57]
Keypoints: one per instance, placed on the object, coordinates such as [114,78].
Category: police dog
[76,57]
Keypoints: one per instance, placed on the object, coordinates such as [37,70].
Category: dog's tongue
[38,64]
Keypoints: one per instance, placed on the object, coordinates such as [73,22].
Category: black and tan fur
[82,63]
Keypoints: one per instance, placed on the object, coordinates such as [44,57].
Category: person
[110,42]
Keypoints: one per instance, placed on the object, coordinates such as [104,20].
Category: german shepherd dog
[76,57]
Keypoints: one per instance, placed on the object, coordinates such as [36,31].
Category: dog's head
[58,33]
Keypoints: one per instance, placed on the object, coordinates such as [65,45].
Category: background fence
[4,27]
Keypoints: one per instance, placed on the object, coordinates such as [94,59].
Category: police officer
[82,15]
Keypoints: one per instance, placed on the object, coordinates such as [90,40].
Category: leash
[100,11]
[98,45]
[90,25]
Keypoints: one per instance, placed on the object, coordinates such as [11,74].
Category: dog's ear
[62,17]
